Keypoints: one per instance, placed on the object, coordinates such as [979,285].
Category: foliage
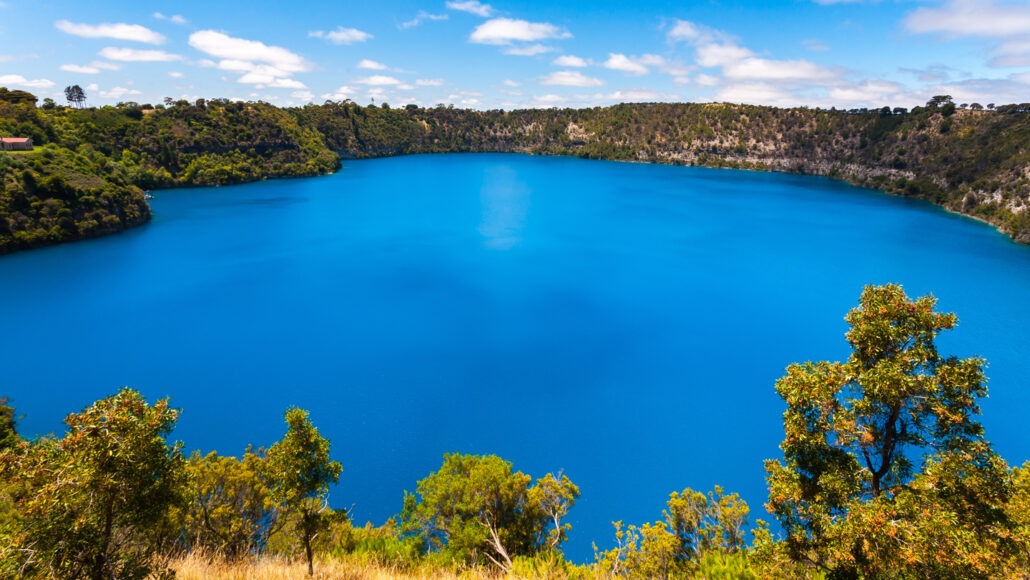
[75,95]
[300,471]
[885,470]
[8,425]
[232,512]
[696,526]
[87,503]
[475,510]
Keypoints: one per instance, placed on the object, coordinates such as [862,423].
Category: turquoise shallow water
[622,322]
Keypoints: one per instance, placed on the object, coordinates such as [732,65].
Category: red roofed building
[15,144]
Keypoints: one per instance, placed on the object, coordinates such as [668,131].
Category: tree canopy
[883,462]
[300,472]
[475,508]
[88,503]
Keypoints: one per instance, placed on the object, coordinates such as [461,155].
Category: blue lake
[624,323]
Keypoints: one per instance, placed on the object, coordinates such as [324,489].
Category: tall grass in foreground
[200,566]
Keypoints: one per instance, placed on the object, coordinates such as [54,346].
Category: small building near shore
[15,144]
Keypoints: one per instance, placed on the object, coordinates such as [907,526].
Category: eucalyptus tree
[87,503]
[300,471]
[885,469]
[475,509]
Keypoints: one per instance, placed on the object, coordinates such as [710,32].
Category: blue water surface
[622,322]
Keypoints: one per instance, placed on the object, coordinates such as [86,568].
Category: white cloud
[757,94]
[621,62]
[706,80]
[684,31]
[305,96]
[133,55]
[570,78]
[341,94]
[372,65]
[280,83]
[20,81]
[765,69]
[378,80]
[264,65]
[472,7]
[80,69]
[511,83]
[420,18]
[715,55]
[120,31]
[550,98]
[1006,24]
[501,31]
[92,87]
[569,60]
[119,92]
[342,35]
[971,18]
[221,45]
[91,69]
[530,50]
[429,82]
[177,19]
[175,75]
[641,95]
[870,91]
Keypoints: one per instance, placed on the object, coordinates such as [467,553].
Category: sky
[521,53]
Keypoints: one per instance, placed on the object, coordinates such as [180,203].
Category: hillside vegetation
[88,175]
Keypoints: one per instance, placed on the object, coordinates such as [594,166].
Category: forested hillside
[91,166]
[970,160]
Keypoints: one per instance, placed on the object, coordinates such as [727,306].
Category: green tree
[233,512]
[86,503]
[476,507]
[75,95]
[8,425]
[697,528]
[884,465]
[300,472]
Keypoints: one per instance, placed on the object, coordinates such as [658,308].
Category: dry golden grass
[195,566]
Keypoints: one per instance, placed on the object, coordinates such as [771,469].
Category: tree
[884,466]
[75,95]
[233,512]
[697,527]
[476,507]
[86,503]
[17,97]
[300,472]
[8,425]
[938,100]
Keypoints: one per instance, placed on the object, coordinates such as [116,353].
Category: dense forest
[885,473]
[91,165]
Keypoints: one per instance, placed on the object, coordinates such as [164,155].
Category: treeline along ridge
[91,166]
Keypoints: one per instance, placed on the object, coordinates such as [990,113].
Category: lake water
[624,323]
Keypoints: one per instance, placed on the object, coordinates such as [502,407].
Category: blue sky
[513,54]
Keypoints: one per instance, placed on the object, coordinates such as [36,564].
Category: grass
[197,566]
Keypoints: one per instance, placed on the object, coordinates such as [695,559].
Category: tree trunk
[307,550]
[100,562]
